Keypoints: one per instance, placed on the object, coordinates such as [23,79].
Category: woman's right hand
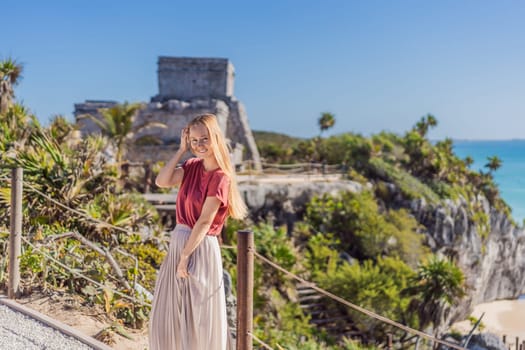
[184,140]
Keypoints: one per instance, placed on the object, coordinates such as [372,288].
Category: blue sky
[377,65]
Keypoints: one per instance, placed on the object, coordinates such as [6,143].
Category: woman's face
[199,138]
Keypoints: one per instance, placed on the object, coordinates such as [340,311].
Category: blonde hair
[236,206]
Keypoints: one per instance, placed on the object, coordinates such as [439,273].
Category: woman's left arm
[200,229]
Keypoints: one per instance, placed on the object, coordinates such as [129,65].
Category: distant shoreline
[397,133]
[501,317]
[488,140]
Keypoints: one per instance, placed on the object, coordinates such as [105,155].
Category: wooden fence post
[389,341]
[245,254]
[15,234]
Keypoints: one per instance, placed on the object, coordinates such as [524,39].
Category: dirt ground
[504,317]
[88,320]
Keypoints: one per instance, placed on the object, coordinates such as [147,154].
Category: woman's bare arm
[171,175]
[199,231]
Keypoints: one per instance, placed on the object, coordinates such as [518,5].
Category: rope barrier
[356,307]
[254,337]
[83,276]
[302,167]
[290,166]
[106,224]
[91,219]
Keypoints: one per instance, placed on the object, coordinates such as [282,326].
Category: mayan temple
[187,87]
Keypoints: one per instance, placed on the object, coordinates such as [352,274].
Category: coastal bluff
[493,263]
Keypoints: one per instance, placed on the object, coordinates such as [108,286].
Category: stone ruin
[187,87]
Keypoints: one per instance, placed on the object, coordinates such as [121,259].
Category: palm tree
[494,163]
[438,283]
[425,123]
[118,124]
[326,121]
[10,74]
[468,161]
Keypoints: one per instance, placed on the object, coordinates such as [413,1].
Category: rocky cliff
[284,201]
[494,266]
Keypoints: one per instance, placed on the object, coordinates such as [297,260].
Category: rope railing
[356,307]
[73,271]
[301,167]
[86,216]
[78,212]
[291,166]
[254,337]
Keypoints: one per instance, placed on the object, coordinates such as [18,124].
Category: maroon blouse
[197,184]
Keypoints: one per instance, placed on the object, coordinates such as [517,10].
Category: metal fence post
[245,254]
[15,234]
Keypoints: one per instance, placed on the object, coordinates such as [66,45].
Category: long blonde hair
[236,206]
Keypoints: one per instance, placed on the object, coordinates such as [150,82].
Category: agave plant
[69,175]
[130,212]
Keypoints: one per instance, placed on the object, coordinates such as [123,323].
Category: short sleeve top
[197,184]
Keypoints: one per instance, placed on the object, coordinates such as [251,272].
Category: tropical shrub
[363,230]
[437,283]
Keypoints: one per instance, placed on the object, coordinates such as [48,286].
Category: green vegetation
[438,282]
[326,121]
[366,247]
[364,231]
[62,169]
[391,270]
[276,147]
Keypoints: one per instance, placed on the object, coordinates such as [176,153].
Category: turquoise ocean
[510,177]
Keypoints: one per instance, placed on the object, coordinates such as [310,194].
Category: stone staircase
[331,319]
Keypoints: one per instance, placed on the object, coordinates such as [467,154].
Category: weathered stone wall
[239,131]
[185,78]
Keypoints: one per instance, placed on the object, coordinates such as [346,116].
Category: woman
[189,308]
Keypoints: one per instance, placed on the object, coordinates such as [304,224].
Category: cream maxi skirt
[189,313]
